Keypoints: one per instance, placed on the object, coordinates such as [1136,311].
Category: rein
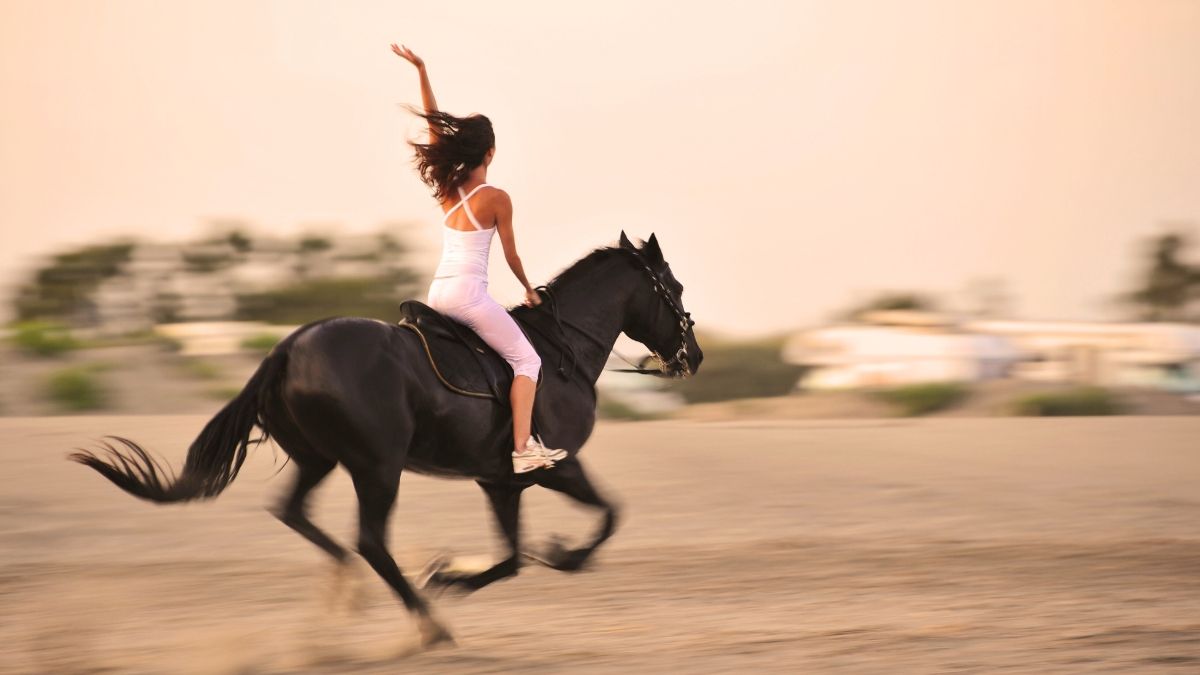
[559,321]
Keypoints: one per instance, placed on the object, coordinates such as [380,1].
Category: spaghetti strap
[462,201]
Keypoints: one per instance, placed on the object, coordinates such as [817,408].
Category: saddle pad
[464,363]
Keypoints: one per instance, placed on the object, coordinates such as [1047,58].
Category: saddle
[463,362]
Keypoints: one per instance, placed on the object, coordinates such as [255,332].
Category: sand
[939,545]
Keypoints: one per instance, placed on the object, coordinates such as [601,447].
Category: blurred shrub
[223,393]
[261,343]
[168,344]
[77,388]
[610,408]
[43,338]
[1079,401]
[733,370]
[200,370]
[923,398]
[314,244]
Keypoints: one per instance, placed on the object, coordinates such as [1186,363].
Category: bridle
[676,366]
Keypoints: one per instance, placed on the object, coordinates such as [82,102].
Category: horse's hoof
[348,589]
[556,556]
[428,576]
[571,561]
[433,634]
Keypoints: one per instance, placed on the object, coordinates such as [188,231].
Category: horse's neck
[595,304]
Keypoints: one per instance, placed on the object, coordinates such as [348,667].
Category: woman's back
[465,252]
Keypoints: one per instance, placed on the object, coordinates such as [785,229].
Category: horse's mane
[584,265]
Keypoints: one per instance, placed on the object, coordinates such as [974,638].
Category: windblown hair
[456,146]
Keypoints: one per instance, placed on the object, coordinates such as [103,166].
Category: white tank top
[465,252]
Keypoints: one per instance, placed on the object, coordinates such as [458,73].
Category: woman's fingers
[406,53]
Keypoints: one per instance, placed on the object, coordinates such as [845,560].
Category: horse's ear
[652,251]
[625,243]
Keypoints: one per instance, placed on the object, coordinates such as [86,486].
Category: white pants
[466,299]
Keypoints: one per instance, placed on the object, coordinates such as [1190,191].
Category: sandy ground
[947,545]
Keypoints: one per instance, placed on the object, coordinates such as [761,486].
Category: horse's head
[655,315]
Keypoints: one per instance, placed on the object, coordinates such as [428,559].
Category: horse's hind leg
[348,590]
[312,467]
[506,505]
[293,511]
[376,494]
[569,478]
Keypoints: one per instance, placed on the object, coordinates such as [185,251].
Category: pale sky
[791,156]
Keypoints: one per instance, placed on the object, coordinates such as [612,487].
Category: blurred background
[976,213]
[855,195]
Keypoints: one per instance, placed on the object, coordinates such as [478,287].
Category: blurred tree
[62,289]
[890,300]
[742,369]
[1168,285]
[311,249]
[313,244]
[240,241]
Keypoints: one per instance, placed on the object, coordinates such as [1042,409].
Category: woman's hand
[426,89]
[532,298]
[408,55]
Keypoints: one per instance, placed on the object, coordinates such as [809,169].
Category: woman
[455,162]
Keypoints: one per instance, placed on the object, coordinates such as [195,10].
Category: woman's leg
[523,391]
[497,328]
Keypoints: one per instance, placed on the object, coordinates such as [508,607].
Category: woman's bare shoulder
[500,193]
[498,197]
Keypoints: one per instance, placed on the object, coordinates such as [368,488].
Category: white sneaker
[535,456]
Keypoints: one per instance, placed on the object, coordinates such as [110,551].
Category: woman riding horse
[362,394]
[457,159]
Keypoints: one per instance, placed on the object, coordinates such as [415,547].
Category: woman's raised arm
[426,89]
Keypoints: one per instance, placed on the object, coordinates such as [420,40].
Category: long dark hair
[457,145]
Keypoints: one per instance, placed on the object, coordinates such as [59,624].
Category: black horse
[362,393]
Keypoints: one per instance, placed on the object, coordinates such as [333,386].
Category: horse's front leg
[506,505]
[569,478]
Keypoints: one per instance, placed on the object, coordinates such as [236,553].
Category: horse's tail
[214,458]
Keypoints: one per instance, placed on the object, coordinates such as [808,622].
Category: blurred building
[201,282]
[897,347]
[1159,355]
[904,347]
